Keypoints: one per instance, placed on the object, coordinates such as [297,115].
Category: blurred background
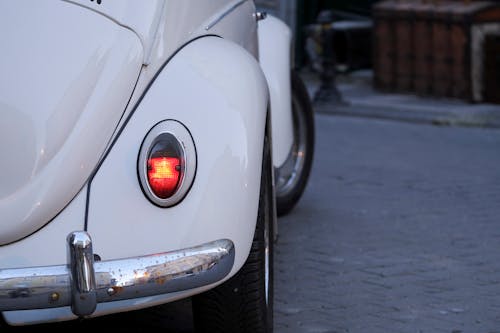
[430,48]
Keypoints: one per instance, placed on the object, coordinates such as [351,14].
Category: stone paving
[398,231]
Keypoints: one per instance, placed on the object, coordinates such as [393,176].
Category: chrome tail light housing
[166,165]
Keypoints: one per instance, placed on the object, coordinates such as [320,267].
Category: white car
[147,147]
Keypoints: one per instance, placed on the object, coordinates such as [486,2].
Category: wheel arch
[218,91]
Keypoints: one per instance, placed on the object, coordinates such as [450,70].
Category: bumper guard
[83,283]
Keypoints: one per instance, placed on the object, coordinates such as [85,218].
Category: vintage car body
[85,85]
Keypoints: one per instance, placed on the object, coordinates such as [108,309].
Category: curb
[359,99]
[486,119]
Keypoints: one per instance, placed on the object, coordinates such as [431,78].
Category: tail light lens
[164,174]
[167,163]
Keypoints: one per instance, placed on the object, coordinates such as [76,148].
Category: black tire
[292,176]
[240,304]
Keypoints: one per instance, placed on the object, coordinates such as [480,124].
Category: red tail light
[167,163]
[164,174]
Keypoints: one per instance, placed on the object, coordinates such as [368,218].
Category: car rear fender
[217,90]
[274,56]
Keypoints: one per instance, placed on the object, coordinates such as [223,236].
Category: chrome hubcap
[289,173]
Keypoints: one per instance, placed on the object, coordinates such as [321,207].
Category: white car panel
[274,56]
[58,113]
[48,245]
[142,17]
[232,20]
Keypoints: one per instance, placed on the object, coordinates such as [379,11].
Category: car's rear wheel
[292,175]
[244,303]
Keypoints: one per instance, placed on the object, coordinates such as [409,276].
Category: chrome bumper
[83,283]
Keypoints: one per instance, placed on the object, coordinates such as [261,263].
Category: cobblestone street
[398,231]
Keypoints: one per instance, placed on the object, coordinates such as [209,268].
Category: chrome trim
[224,14]
[260,16]
[82,277]
[51,286]
[288,174]
[186,143]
